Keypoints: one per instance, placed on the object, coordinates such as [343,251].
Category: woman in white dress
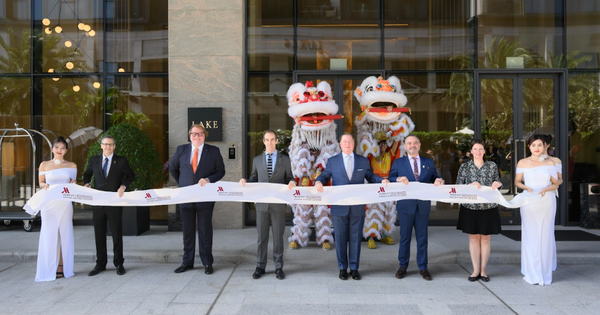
[56,246]
[537,175]
[558,165]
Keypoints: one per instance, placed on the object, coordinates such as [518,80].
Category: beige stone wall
[206,69]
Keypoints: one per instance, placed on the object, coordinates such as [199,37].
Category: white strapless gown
[538,247]
[57,224]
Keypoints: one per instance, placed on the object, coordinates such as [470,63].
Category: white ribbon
[277,193]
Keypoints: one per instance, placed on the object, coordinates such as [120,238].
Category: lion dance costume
[381,129]
[313,143]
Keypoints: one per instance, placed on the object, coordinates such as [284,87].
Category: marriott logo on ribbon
[65,190]
[454,195]
[453,190]
[66,194]
[222,193]
[297,193]
[381,190]
[149,199]
[148,195]
[220,189]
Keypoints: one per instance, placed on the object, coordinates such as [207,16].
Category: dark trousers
[348,229]
[114,217]
[274,217]
[200,214]
[420,222]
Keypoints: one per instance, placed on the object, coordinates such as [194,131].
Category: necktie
[269,164]
[348,164]
[195,160]
[105,167]
[416,169]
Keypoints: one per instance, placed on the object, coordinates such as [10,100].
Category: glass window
[338,35]
[583,34]
[518,34]
[15,106]
[72,36]
[270,35]
[137,33]
[427,34]
[15,36]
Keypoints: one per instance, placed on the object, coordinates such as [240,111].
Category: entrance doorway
[511,106]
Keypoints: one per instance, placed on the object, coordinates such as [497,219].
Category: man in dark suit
[348,168]
[111,173]
[270,167]
[197,163]
[413,213]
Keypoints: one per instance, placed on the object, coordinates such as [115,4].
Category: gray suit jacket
[282,174]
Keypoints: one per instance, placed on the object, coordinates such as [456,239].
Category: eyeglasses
[107,144]
[197,134]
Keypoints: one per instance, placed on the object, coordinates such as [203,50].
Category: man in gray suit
[270,167]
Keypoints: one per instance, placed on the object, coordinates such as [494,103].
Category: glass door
[512,107]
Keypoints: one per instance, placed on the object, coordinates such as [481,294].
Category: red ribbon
[307,118]
[383,110]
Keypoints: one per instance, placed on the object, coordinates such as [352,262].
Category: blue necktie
[105,168]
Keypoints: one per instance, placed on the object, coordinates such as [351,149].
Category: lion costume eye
[369,88]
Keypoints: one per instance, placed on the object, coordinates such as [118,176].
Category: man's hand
[438,182]
[402,179]
[87,186]
[496,185]
[291,185]
[319,186]
[203,182]
[476,184]
[243,182]
[385,181]
[121,191]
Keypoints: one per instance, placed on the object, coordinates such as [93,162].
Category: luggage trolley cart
[14,195]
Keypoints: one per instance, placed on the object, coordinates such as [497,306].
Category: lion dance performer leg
[314,141]
[381,128]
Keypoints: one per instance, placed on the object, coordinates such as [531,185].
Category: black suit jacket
[210,166]
[120,173]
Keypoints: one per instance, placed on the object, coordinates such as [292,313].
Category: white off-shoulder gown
[538,247]
[57,224]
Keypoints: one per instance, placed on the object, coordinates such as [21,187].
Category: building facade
[488,69]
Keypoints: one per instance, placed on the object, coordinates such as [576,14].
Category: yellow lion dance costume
[381,129]
[314,141]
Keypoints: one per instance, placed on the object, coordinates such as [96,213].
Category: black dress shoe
[257,273]
[344,274]
[96,270]
[208,270]
[484,278]
[400,273]
[426,275]
[120,270]
[183,268]
[473,279]
[355,274]
[279,274]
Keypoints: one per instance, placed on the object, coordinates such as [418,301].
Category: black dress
[481,218]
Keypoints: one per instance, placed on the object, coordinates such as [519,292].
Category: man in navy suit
[413,213]
[197,163]
[345,169]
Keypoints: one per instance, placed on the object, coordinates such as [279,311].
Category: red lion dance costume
[381,129]
[313,143]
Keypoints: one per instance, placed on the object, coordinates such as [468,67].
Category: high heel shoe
[59,274]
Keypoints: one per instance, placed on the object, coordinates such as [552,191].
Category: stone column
[206,69]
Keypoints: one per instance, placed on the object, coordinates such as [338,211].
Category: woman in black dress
[479,220]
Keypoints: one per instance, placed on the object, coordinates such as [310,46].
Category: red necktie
[195,160]
[416,169]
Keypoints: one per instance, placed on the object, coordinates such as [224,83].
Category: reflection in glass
[518,29]
[583,37]
[426,34]
[15,37]
[137,36]
[270,35]
[15,106]
[338,35]
[538,106]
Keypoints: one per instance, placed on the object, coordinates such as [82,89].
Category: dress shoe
[401,273]
[183,268]
[208,270]
[279,274]
[344,274]
[355,274]
[473,279]
[426,275]
[484,278]
[96,270]
[257,273]
[120,270]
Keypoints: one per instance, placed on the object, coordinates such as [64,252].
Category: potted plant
[136,146]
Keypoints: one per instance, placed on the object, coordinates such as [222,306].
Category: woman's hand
[476,184]
[496,185]
[44,186]
[529,190]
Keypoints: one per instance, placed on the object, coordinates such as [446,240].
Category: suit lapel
[410,177]
[263,163]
